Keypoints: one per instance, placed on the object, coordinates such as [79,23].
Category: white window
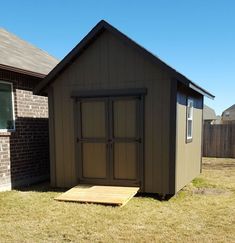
[189,120]
[7,120]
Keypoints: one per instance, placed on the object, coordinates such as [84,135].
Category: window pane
[189,112]
[190,109]
[6,111]
[189,135]
[189,118]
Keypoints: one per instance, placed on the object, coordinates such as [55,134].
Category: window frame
[13,108]
[189,100]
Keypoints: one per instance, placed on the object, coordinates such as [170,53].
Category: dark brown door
[109,140]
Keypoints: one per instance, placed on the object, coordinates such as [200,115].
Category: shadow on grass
[46,187]
[40,187]
[155,196]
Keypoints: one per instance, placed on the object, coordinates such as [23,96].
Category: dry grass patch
[34,216]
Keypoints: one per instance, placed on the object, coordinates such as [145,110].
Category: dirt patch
[210,191]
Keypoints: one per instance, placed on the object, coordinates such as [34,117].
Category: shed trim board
[52,136]
[108,93]
[172,139]
[110,140]
[202,138]
[91,36]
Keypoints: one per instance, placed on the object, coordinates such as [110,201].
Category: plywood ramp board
[112,195]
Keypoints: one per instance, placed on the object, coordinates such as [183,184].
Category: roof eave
[201,90]
[22,71]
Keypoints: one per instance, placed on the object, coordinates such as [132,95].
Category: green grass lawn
[204,211]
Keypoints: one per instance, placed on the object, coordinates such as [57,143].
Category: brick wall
[4,162]
[24,153]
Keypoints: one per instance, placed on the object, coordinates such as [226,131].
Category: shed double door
[109,140]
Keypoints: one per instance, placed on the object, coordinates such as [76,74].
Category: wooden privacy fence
[219,140]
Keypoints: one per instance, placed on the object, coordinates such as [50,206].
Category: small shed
[121,116]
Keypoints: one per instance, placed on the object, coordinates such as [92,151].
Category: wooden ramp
[112,195]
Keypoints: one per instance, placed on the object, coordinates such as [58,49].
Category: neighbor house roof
[91,36]
[231,108]
[18,55]
[208,113]
[228,114]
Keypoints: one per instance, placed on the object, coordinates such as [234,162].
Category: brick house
[24,149]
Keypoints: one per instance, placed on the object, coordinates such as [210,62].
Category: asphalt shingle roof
[230,108]
[15,52]
[208,113]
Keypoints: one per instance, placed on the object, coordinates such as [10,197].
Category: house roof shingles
[229,113]
[17,53]
[231,108]
[208,113]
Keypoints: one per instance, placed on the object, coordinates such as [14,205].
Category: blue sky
[196,37]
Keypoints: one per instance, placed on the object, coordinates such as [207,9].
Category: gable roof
[91,36]
[18,55]
[231,108]
[208,113]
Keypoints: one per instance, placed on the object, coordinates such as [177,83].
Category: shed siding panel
[59,139]
[188,155]
[148,155]
[69,165]
[109,63]
[165,125]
